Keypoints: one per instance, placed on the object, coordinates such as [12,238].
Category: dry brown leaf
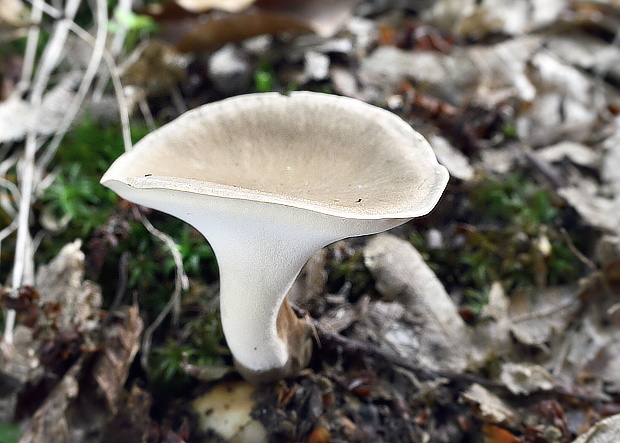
[610,164]
[215,31]
[454,160]
[325,17]
[20,366]
[440,337]
[482,74]
[156,67]
[592,350]
[132,423]
[121,343]
[587,52]
[495,434]
[401,274]
[50,423]
[472,18]
[605,431]
[488,407]
[569,104]
[537,314]
[598,211]
[18,117]
[87,396]
[577,153]
[212,31]
[62,281]
[526,378]
[492,332]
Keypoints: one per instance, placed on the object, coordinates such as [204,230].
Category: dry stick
[544,167]
[5,204]
[116,47]
[329,337]
[107,58]
[580,255]
[47,65]
[122,281]
[12,227]
[22,240]
[9,209]
[123,108]
[31,46]
[23,248]
[101,19]
[180,283]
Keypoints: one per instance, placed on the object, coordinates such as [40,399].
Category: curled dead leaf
[488,407]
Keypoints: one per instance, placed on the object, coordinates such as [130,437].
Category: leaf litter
[419,336]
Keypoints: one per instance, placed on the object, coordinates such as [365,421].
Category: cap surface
[319,152]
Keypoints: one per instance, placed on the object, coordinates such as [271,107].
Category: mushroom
[269,179]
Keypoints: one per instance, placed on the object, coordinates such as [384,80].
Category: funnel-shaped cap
[268,179]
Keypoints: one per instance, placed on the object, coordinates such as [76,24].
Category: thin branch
[123,107]
[31,46]
[101,18]
[122,281]
[23,246]
[334,339]
[180,283]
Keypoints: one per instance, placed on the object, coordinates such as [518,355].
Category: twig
[115,47]
[101,18]
[23,246]
[580,255]
[334,339]
[122,281]
[545,168]
[31,46]
[123,107]
[6,202]
[180,283]
[109,61]
[121,32]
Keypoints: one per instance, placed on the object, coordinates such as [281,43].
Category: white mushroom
[269,179]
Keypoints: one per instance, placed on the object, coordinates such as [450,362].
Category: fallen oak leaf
[537,314]
[50,422]
[121,343]
[604,431]
[488,407]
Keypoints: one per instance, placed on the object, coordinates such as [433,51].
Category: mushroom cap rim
[206,188]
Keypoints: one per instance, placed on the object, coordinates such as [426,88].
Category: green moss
[201,343]
[517,238]
[137,26]
[353,272]
[265,77]
[76,194]
[9,433]
[510,232]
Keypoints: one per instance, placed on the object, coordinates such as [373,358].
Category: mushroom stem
[266,338]
[260,249]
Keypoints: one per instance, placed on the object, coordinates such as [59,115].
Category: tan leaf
[122,341]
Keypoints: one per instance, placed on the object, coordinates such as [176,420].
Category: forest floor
[492,319]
